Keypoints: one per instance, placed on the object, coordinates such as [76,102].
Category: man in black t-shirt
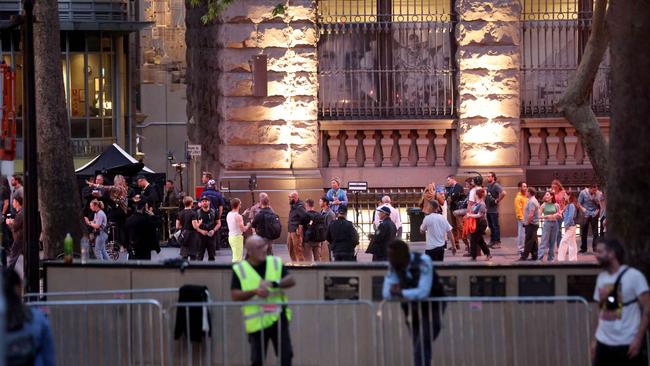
[455,195]
[206,224]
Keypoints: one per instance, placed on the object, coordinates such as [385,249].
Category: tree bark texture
[59,199]
[575,102]
[629,173]
[202,94]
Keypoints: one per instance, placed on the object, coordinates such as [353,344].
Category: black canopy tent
[114,160]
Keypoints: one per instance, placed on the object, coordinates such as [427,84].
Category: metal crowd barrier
[106,332]
[166,296]
[526,331]
[322,333]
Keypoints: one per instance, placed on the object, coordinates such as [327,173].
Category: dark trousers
[493,223]
[379,258]
[206,243]
[530,243]
[279,336]
[436,254]
[584,231]
[615,355]
[476,239]
[344,257]
[141,252]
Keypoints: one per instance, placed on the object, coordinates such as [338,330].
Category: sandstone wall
[488,56]
[279,131]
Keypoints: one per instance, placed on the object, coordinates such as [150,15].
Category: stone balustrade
[387,143]
[554,142]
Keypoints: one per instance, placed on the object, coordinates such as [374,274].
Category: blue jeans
[100,246]
[493,223]
[549,237]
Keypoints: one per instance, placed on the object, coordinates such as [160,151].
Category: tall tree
[575,102]
[629,155]
[59,201]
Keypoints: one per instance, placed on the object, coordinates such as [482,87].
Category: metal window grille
[554,36]
[383,58]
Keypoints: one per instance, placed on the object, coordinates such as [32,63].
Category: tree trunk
[59,200]
[629,173]
[202,93]
[575,102]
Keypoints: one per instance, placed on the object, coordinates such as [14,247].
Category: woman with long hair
[429,195]
[479,212]
[551,214]
[98,226]
[561,198]
[28,339]
[569,239]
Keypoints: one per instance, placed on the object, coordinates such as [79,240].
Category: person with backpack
[206,225]
[266,223]
[623,299]
[315,232]
[28,338]
[412,279]
[342,237]
[297,215]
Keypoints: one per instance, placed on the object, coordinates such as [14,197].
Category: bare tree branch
[575,101]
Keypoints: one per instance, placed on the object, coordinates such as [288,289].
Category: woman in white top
[236,229]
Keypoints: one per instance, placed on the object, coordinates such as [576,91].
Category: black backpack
[317,230]
[271,227]
[21,347]
[434,309]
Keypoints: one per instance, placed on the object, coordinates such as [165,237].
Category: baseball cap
[384,209]
[342,210]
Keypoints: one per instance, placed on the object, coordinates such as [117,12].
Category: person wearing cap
[205,178]
[148,193]
[336,195]
[342,237]
[207,225]
[385,233]
[214,196]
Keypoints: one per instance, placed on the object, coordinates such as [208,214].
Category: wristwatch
[275,284]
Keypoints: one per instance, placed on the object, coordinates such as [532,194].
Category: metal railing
[486,331]
[554,36]
[106,332]
[80,10]
[385,59]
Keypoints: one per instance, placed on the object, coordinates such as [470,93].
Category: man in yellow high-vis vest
[261,278]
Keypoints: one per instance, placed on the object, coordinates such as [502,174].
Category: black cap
[140,176]
[384,209]
[204,198]
[342,210]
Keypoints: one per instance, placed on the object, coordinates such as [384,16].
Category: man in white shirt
[437,229]
[394,215]
[624,302]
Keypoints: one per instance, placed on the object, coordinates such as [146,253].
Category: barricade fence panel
[106,332]
[166,296]
[526,331]
[321,333]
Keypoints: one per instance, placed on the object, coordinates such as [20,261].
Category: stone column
[423,146]
[278,131]
[552,144]
[488,36]
[570,142]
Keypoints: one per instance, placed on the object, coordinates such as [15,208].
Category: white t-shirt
[233,225]
[436,227]
[472,195]
[619,328]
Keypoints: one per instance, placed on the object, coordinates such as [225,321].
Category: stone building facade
[398,94]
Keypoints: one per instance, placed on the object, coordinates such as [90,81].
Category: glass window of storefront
[87,65]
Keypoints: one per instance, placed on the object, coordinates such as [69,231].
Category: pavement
[507,254]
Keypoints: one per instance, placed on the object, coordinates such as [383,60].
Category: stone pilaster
[488,36]
[278,131]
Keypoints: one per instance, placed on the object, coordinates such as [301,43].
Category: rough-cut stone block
[304,132]
[254,133]
[248,35]
[279,59]
[489,154]
[236,35]
[255,157]
[304,156]
[239,84]
[490,106]
[259,11]
[485,82]
[491,58]
[268,108]
[488,33]
[476,131]
[490,10]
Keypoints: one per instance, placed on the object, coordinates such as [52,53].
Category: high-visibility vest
[258,317]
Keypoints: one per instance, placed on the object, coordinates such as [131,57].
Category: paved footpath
[506,255]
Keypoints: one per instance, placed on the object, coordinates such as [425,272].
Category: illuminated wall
[488,37]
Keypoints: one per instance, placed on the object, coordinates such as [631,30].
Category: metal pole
[30,166]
